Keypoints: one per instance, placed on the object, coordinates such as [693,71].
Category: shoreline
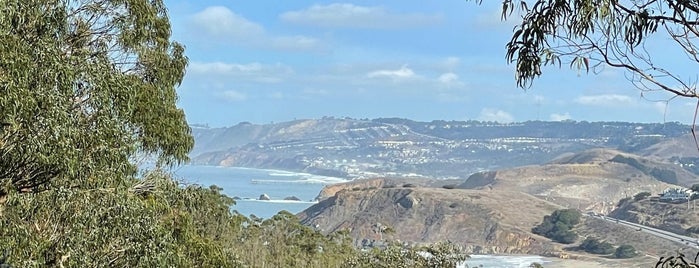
[271,171]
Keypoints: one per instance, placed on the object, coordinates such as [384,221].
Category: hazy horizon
[262,62]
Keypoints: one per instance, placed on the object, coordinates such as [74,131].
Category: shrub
[623,201]
[558,225]
[625,251]
[449,186]
[594,246]
[641,196]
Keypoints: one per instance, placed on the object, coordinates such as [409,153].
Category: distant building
[676,194]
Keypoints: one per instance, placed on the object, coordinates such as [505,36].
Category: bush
[440,255]
[594,246]
[623,201]
[558,225]
[625,251]
[695,187]
[449,186]
[641,196]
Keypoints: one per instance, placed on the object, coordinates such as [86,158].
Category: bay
[249,183]
[504,261]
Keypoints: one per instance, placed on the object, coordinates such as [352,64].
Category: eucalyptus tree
[593,34]
[85,86]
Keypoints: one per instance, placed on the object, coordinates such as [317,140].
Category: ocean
[248,184]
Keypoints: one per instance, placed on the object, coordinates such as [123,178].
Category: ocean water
[503,261]
[248,184]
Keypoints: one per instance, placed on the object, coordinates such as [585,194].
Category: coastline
[274,172]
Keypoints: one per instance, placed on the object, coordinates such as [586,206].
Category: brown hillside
[675,218]
[482,221]
[591,180]
[682,146]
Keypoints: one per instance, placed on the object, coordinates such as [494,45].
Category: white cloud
[451,63]
[488,114]
[224,68]
[267,73]
[221,24]
[560,117]
[605,100]
[221,21]
[661,107]
[400,74]
[232,95]
[348,15]
[449,80]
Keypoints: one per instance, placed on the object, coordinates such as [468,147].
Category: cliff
[484,222]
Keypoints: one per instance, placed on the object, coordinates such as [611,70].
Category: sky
[265,61]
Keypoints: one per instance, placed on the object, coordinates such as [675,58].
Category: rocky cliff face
[484,222]
[673,217]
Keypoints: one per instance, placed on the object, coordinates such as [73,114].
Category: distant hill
[590,180]
[679,147]
[438,149]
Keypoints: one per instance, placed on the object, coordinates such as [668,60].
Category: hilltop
[483,221]
[396,147]
[590,180]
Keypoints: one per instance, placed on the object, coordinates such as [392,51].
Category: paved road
[686,240]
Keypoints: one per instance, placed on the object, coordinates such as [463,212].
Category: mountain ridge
[438,149]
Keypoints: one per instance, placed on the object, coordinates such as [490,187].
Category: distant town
[399,147]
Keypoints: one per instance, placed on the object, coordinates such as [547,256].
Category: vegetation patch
[558,226]
[625,252]
[594,246]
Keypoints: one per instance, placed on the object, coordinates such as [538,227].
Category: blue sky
[264,61]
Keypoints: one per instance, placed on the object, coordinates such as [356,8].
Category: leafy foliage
[86,86]
[641,196]
[625,251]
[589,34]
[440,255]
[594,246]
[558,225]
[123,227]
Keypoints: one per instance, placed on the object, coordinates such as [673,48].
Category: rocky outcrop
[373,183]
[478,180]
[484,222]
[263,197]
[676,218]
[292,198]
